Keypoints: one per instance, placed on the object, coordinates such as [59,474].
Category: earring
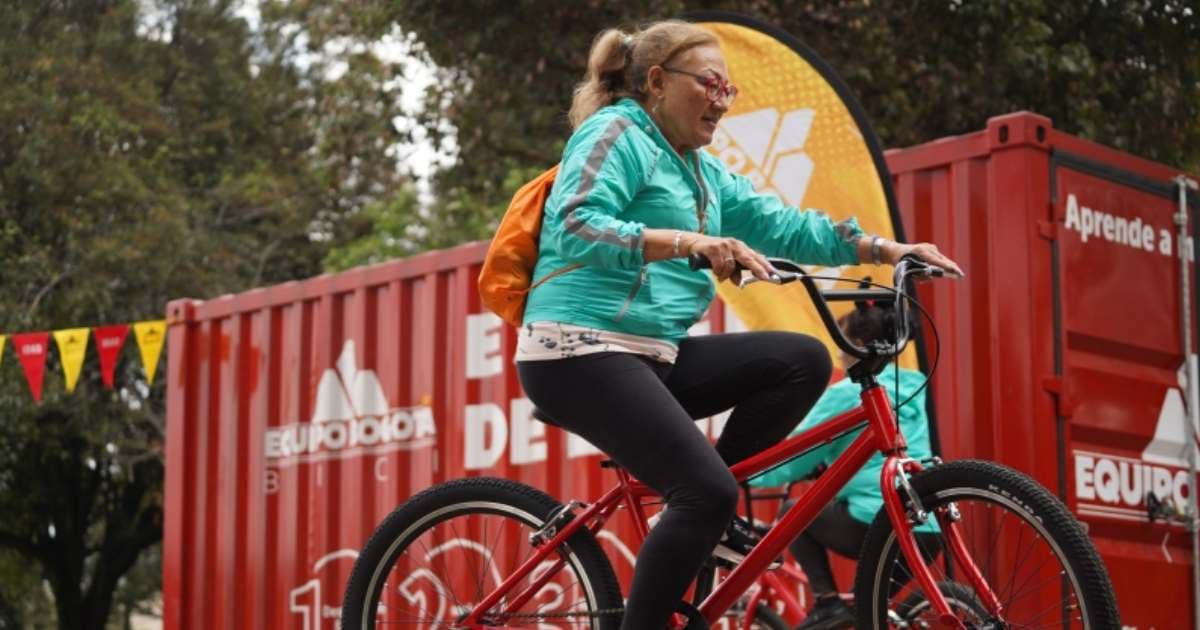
[654,110]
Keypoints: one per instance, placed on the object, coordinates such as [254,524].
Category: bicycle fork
[894,480]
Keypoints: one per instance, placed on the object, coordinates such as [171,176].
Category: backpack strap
[557,272]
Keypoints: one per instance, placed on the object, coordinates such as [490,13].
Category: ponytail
[604,82]
[618,63]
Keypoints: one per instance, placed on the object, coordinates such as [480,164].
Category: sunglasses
[717,89]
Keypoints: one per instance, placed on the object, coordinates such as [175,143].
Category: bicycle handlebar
[788,271]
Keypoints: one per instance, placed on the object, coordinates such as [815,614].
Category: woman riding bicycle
[842,525]
[604,350]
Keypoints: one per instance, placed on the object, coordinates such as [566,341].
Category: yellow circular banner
[796,131]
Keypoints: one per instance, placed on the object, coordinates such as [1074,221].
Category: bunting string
[33,348]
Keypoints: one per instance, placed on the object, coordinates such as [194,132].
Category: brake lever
[747,278]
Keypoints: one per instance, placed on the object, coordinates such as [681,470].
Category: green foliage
[24,602]
[150,151]
[388,228]
[1124,73]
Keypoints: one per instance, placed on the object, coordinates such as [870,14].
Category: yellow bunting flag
[150,338]
[3,338]
[72,347]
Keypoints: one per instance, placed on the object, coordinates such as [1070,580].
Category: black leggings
[641,413]
[833,529]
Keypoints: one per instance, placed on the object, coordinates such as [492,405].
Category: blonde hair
[618,63]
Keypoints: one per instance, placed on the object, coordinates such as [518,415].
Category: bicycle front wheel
[437,556]
[1031,552]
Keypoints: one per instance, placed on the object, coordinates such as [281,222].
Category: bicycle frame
[881,434]
[771,585]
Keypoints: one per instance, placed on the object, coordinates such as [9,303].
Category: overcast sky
[419,159]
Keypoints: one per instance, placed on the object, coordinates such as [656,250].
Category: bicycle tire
[999,493]
[511,504]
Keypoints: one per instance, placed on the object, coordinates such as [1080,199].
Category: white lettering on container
[1116,482]
[1090,223]
[483,345]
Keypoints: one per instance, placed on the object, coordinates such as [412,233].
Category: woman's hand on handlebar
[891,253]
[726,254]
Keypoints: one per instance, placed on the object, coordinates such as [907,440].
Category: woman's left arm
[767,225]
[890,253]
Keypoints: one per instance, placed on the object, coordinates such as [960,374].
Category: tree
[1123,73]
[151,151]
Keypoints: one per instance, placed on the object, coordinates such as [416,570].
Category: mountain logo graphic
[1172,440]
[762,143]
[1114,486]
[351,418]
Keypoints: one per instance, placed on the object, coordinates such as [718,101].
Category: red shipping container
[1062,351]
[300,415]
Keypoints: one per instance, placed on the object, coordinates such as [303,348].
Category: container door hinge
[1048,230]
[1055,386]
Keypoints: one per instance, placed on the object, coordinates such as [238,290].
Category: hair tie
[627,41]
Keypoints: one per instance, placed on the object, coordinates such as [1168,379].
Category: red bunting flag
[109,341]
[32,349]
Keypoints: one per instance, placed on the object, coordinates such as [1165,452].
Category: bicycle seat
[542,416]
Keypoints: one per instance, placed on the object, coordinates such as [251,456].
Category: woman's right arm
[722,253]
[600,174]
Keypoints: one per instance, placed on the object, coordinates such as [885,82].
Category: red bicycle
[492,553]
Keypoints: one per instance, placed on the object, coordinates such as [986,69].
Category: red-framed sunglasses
[716,87]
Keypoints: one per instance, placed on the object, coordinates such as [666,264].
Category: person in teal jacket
[842,525]
[604,349]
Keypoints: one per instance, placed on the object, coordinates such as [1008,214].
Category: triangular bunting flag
[109,341]
[72,347]
[150,338]
[3,338]
[31,349]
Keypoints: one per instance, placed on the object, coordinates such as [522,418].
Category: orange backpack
[504,281]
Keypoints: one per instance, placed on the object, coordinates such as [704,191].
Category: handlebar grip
[923,268]
[700,261]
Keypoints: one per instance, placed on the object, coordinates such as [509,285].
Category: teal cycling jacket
[862,492]
[619,176]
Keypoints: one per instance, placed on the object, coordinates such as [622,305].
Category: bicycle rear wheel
[437,556]
[916,611]
[1030,550]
